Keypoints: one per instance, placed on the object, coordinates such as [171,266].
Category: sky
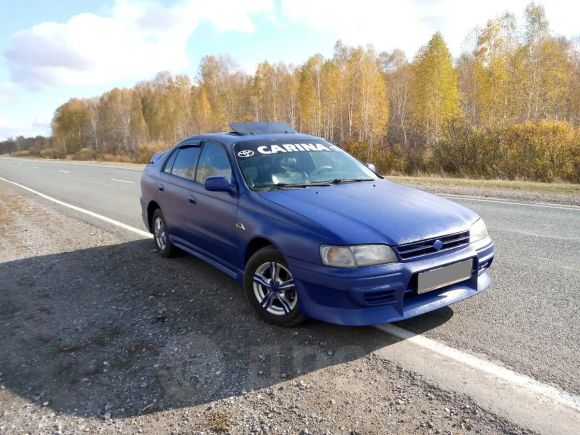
[53,50]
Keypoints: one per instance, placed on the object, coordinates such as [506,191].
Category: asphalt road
[528,321]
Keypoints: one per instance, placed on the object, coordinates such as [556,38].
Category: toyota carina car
[310,231]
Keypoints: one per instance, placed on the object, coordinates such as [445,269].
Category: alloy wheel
[160,235]
[274,288]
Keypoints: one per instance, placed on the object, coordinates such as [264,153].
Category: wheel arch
[151,207]
[255,245]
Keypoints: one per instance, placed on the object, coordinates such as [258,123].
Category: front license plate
[443,276]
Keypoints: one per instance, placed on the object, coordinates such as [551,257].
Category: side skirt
[235,274]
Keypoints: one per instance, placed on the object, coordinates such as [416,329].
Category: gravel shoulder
[101,335]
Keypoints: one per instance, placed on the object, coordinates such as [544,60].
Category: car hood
[375,212]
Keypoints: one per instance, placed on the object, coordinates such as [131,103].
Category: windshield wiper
[349,180]
[318,183]
[272,186]
[292,185]
[315,183]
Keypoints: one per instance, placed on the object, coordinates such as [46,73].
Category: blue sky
[52,50]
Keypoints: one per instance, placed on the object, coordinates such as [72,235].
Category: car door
[215,212]
[175,196]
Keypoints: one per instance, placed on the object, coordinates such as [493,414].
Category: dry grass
[565,188]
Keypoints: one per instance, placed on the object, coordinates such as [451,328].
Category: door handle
[161,187]
[192,199]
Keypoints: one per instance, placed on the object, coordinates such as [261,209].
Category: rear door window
[185,163]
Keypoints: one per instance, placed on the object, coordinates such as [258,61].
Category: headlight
[356,255]
[478,231]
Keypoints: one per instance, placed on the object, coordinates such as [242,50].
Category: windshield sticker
[286,148]
[246,153]
[291,148]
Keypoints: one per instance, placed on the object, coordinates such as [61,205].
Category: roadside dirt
[101,335]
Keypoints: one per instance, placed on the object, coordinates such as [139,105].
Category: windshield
[280,164]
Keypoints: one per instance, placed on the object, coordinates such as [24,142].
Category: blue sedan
[310,231]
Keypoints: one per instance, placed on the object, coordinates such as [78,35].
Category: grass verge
[563,188]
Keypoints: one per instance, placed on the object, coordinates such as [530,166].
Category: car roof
[230,138]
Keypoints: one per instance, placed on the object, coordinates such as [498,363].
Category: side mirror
[371,167]
[218,184]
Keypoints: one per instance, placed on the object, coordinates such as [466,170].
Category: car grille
[412,250]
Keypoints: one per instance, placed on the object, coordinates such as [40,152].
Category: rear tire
[161,236]
[270,288]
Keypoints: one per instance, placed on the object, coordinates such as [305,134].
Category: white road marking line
[142,233]
[79,163]
[533,386]
[502,201]
[573,266]
[545,236]
[64,172]
[122,181]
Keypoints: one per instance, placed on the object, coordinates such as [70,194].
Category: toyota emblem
[437,244]
[246,153]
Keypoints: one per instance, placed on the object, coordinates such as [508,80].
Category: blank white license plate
[444,276]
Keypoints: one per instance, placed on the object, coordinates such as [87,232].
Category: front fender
[292,234]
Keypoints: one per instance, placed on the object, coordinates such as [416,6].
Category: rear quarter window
[169,162]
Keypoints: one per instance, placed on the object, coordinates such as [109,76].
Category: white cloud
[8,93]
[10,128]
[136,40]
[139,38]
[410,24]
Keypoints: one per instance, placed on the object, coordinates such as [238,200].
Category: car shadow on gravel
[118,331]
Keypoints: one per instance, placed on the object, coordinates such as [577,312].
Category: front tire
[161,236]
[270,288]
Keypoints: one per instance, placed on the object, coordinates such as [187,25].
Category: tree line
[508,107]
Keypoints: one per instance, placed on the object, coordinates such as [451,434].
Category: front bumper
[384,293]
